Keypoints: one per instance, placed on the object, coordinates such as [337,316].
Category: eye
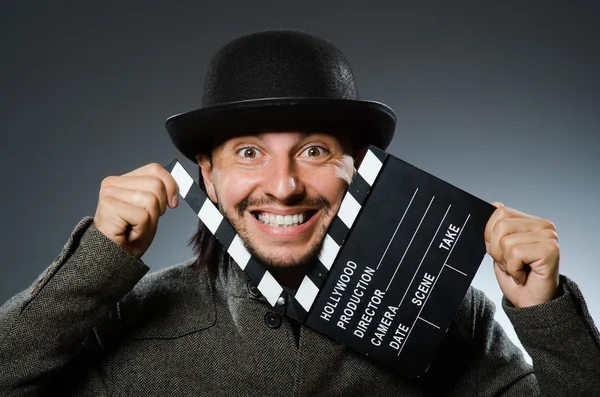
[249,153]
[314,151]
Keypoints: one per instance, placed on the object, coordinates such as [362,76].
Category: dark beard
[319,202]
[273,263]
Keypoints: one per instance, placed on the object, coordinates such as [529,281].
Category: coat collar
[169,303]
[181,299]
[235,283]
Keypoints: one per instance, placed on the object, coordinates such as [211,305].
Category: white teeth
[281,220]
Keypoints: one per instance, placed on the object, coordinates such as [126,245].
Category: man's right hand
[129,206]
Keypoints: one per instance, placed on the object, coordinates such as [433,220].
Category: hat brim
[198,130]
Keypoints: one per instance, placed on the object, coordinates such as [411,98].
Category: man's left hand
[526,256]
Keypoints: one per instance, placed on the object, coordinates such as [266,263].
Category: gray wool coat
[94,325]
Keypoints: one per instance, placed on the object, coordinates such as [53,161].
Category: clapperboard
[395,264]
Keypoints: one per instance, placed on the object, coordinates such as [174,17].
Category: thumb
[497,204]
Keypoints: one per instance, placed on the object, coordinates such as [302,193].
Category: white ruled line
[455,269]
[424,255]
[433,286]
[428,322]
[397,227]
[409,244]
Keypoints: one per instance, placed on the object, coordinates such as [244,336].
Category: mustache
[319,202]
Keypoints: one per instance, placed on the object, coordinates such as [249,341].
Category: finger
[157,170]
[121,214]
[503,213]
[517,270]
[500,266]
[504,277]
[515,227]
[145,183]
[537,236]
[140,198]
[540,257]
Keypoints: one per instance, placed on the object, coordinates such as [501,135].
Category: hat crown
[278,64]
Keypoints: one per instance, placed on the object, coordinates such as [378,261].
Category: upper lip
[283,211]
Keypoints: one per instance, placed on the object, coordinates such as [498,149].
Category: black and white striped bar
[350,207]
[395,264]
[210,215]
[338,231]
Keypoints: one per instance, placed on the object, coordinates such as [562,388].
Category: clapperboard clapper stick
[395,264]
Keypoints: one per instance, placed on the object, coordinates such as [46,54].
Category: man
[277,141]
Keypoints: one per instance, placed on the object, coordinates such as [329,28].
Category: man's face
[280,190]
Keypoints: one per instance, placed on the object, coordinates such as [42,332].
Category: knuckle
[147,220]
[146,200]
[514,252]
[106,190]
[547,224]
[506,242]
[137,198]
[155,168]
[152,203]
[156,186]
[501,227]
[552,235]
[553,245]
[107,201]
[503,212]
[108,181]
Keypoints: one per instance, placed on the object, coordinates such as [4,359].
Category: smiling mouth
[289,220]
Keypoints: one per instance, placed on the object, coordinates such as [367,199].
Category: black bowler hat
[279,80]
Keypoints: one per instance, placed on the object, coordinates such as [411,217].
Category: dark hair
[210,253]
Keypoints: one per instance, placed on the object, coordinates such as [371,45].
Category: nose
[282,179]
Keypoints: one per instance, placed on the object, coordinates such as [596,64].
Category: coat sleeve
[563,342]
[560,336]
[42,329]
[477,358]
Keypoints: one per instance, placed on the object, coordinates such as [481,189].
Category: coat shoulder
[473,310]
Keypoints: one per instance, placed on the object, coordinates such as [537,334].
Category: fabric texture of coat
[94,324]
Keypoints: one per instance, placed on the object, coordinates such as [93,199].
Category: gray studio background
[501,100]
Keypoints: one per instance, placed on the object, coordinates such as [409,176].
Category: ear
[206,172]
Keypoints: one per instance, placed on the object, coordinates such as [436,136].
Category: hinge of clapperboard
[284,301]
